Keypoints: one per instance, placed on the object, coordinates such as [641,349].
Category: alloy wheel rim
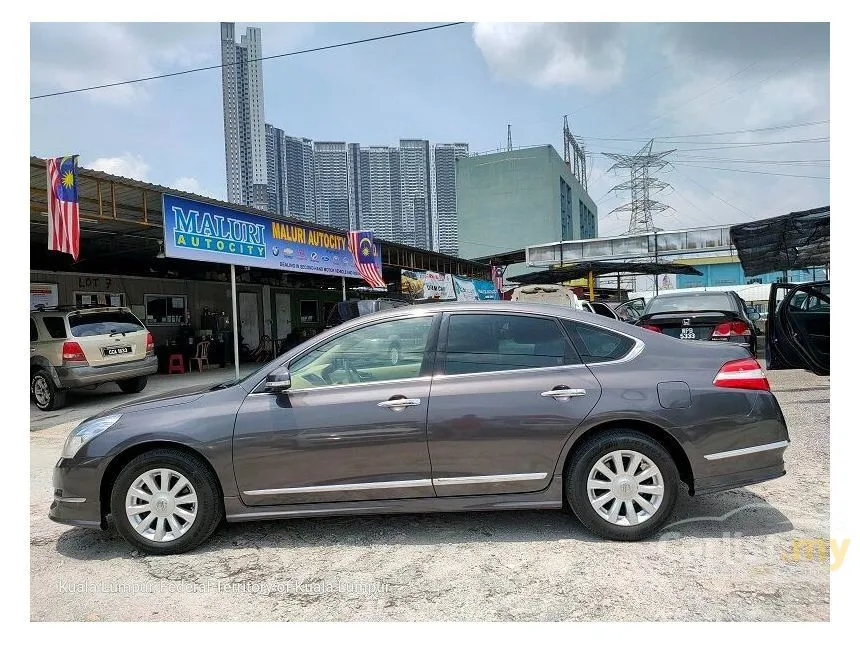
[161,505]
[625,488]
[40,390]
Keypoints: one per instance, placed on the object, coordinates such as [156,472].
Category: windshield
[104,322]
[690,302]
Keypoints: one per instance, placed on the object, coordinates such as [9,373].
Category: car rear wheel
[622,485]
[166,501]
[44,393]
[132,385]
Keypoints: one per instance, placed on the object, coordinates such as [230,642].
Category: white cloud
[188,184]
[588,55]
[102,53]
[127,165]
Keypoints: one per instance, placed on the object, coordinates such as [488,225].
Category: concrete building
[415,194]
[275,189]
[299,178]
[375,178]
[332,184]
[244,117]
[444,175]
[509,200]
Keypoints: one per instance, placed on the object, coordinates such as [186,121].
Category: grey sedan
[500,406]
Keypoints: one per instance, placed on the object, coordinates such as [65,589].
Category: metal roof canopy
[582,269]
[503,259]
[126,215]
[794,241]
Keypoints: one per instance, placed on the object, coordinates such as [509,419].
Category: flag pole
[235,319]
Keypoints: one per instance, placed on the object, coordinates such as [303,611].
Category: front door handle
[563,394]
[398,405]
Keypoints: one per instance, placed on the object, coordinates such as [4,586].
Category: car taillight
[652,328]
[72,352]
[150,345]
[736,328]
[744,374]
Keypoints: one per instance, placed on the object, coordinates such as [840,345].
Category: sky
[745,106]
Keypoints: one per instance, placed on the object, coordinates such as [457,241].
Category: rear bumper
[87,375]
[738,479]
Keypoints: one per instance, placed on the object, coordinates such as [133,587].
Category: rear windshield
[103,323]
[691,302]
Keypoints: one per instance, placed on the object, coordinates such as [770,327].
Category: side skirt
[550,497]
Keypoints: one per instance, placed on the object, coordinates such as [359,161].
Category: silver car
[501,406]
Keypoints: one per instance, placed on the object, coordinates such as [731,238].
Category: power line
[253,60]
[667,137]
[755,172]
[712,194]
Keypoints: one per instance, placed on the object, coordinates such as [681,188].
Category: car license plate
[687,333]
[116,351]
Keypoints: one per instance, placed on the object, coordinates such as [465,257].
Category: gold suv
[85,347]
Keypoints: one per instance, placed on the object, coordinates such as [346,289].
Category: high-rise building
[332,184]
[415,194]
[509,200]
[299,178]
[244,117]
[276,195]
[375,179]
[445,157]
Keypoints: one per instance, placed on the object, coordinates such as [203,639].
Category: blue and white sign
[208,233]
[468,289]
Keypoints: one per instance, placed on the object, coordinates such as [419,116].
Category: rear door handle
[563,395]
[398,404]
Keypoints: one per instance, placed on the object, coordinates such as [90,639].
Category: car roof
[64,311]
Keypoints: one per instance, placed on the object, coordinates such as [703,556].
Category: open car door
[798,327]
[631,310]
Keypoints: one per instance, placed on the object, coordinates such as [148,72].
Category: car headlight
[85,432]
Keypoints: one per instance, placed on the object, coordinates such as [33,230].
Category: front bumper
[76,494]
[86,375]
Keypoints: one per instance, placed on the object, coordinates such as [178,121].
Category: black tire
[51,397]
[132,385]
[598,447]
[209,503]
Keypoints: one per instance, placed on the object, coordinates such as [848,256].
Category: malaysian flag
[363,252]
[64,234]
[498,277]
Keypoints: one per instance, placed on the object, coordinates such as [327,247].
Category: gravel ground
[735,564]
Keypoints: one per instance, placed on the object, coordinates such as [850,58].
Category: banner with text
[427,285]
[208,233]
[468,289]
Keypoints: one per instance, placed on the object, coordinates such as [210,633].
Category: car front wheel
[622,485]
[44,393]
[166,501]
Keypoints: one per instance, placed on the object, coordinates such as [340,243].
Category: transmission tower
[578,164]
[641,185]
[510,143]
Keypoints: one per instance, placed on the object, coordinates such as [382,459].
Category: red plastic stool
[176,364]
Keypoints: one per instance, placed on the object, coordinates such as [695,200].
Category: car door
[507,391]
[350,427]
[798,327]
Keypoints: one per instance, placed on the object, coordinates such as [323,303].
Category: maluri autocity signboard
[205,232]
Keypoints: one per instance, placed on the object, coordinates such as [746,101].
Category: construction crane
[578,158]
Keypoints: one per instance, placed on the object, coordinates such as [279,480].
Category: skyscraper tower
[244,117]
[445,157]
[415,194]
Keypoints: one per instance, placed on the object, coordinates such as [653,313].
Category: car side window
[384,351]
[55,325]
[597,345]
[491,342]
[34,333]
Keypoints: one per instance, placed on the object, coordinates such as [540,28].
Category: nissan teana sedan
[502,406]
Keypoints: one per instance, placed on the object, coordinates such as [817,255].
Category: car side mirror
[278,380]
